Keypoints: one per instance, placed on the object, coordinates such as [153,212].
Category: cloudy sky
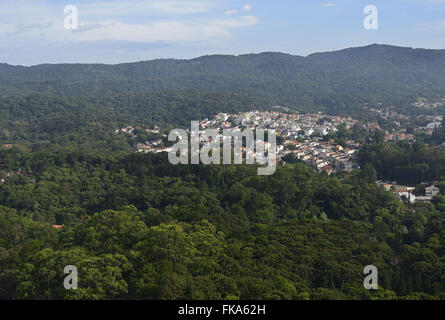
[114,31]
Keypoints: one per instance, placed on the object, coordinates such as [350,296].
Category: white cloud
[230,12]
[328,4]
[107,21]
[247,7]
[145,7]
[173,31]
[26,10]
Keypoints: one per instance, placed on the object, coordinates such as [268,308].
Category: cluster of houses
[287,125]
[430,127]
[155,146]
[300,135]
[399,136]
[386,113]
[428,105]
[131,129]
[436,123]
[433,122]
[324,155]
[405,193]
[128,129]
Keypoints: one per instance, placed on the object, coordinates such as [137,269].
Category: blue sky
[115,31]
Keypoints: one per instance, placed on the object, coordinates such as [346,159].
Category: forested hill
[73,192]
[340,79]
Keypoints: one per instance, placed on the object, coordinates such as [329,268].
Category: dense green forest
[333,82]
[405,162]
[140,228]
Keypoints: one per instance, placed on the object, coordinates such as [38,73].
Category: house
[222,116]
[423,199]
[406,195]
[154,131]
[433,125]
[431,191]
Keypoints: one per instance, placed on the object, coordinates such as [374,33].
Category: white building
[433,125]
[431,191]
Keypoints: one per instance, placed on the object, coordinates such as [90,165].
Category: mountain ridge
[332,80]
[279,53]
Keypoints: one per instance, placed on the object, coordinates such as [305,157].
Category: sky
[118,31]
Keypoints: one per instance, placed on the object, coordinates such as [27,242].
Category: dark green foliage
[139,228]
[369,74]
[404,162]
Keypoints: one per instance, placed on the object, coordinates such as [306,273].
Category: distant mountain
[375,73]
[78,105]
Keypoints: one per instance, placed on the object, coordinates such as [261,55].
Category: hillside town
[301,135]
